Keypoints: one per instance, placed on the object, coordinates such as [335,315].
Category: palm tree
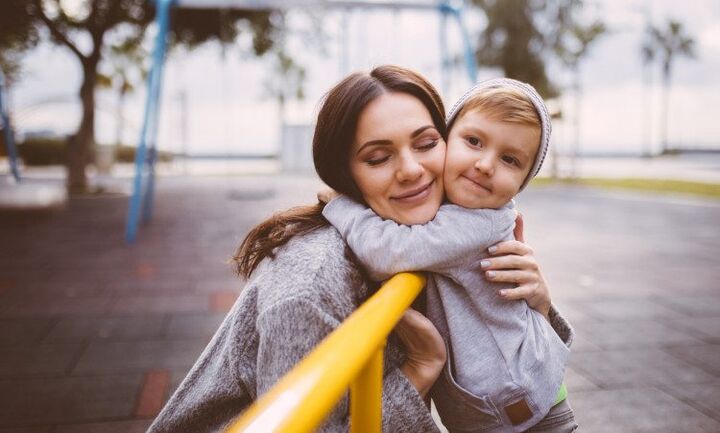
[571,50]
[664,44]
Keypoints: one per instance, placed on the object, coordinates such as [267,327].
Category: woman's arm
[289,330]
[449,239]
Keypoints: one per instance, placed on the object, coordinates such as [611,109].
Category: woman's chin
[417,216]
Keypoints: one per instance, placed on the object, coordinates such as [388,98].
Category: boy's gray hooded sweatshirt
[506,363]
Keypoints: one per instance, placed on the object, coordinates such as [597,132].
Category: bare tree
[665,44]
[84,31]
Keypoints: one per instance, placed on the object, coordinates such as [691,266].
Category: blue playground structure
[141,201]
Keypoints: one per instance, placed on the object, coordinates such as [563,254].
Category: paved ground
[95,334]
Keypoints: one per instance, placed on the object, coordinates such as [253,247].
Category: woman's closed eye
[376,159]
[428,144]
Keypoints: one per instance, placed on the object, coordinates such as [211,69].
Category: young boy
[505,362]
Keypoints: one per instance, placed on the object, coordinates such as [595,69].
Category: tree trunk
[82,144]
[575,170]
[665,109]
[119,118]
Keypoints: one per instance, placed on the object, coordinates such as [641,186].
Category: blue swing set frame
[141,201]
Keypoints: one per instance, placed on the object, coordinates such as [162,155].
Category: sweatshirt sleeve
[289,330]
[455,236]
[561,326]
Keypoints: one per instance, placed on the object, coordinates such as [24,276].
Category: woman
[303,281]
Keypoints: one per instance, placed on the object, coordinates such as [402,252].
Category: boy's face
[487,160]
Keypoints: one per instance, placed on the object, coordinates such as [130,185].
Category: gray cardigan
[288,306]
[503,352]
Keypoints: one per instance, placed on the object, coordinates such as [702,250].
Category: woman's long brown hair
[334,134]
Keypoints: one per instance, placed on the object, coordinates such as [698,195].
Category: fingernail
[490,274]
[503,292]
[484,263]
[492,249]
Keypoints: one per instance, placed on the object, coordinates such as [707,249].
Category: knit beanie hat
[537,101]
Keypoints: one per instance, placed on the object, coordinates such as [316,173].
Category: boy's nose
[485,164]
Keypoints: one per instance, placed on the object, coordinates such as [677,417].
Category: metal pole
[366,396]
[149,128]
[470,65]
[7,129]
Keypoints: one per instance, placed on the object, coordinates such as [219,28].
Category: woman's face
[397,159]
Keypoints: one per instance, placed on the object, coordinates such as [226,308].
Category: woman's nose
[410,169]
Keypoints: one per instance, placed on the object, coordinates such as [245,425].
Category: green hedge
[43,151]
[51,151]
[127,154]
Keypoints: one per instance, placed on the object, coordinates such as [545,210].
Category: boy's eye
[473,141]
[511,160]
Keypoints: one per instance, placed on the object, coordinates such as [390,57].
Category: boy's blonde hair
[503,104]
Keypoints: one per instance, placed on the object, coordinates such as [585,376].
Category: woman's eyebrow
[420,130]
[374,143]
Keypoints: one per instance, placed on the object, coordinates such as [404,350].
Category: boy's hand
[326,195]
[514,262]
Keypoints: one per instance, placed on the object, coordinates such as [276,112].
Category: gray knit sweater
[288,306]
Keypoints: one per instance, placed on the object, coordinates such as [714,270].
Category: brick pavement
[95,334]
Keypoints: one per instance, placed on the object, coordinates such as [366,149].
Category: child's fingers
[510,247]
[326,195]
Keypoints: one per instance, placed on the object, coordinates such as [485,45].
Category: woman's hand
[514,262]
[426,353]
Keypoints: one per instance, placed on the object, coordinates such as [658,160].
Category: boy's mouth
[478,184]
[415,194]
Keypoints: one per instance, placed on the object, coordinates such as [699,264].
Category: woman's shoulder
[314,267]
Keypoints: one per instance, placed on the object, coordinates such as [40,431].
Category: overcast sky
[229,111]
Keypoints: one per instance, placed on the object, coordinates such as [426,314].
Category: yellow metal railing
[351,356]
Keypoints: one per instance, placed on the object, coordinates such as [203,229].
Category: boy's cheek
[446,181]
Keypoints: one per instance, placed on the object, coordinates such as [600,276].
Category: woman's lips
[416,195]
